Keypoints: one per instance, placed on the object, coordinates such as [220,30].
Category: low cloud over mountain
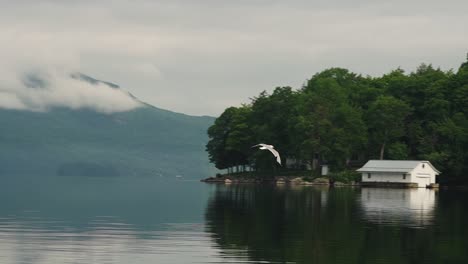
[42,90]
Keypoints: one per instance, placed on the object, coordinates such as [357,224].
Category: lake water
[118,220]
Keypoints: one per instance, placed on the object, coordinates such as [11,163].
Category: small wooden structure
[398,173]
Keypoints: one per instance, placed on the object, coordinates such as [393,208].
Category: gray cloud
[46,88]
[200,57]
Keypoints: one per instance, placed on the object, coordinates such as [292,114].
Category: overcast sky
[199,57]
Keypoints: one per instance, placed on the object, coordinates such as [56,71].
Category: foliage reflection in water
[339,225]
[160,221]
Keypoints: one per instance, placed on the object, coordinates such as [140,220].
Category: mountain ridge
[144,141]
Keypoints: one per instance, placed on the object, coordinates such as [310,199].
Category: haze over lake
[145,220]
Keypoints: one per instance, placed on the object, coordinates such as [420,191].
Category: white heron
[271,149]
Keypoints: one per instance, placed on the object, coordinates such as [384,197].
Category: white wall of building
[385,177]
[423,175]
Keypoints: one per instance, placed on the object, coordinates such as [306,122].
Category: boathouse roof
[393,165]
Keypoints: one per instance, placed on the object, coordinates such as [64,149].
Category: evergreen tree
[339,115]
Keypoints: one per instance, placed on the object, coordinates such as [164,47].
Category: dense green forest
[344,119]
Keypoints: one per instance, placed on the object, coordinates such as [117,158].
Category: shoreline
[278,180]
[302,181]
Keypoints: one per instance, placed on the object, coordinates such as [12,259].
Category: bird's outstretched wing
[276,154]
[271,149]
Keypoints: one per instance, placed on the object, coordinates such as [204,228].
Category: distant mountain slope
[146,141]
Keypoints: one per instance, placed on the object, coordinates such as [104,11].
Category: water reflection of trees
[282,224]
[309,225]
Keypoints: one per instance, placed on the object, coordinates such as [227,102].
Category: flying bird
[271,149]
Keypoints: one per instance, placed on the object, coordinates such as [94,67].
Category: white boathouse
[417,173]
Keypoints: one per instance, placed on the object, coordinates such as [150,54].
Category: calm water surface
[102,220]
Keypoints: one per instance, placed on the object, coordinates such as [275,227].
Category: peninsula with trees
[344,119]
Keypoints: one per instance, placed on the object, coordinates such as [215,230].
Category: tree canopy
[339,116]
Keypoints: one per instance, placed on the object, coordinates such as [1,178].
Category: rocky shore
[278,180]
[288,180]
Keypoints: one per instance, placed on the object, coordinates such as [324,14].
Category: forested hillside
[342,118]
[145,141]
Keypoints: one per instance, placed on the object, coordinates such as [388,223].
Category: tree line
[341,118]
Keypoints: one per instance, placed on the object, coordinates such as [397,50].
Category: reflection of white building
[413,207]
[412,172]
